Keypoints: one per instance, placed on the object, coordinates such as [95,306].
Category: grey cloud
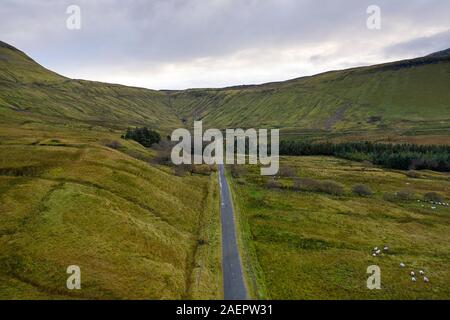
[138,32]
[421,46]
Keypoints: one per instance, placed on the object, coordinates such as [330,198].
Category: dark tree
[144,136]
[394,156]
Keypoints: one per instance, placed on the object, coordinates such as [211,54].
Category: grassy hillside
[309,244]
[400,95]
[31,94]
[136,230]
[411,94]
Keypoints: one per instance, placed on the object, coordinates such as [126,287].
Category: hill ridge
[403,94]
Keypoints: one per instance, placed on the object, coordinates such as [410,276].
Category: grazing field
[305,237]
[78,197]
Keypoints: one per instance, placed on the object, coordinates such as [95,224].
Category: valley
[73,192]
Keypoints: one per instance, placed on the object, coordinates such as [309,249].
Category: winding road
[233,280]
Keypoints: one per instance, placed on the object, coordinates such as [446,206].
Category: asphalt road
[233,281]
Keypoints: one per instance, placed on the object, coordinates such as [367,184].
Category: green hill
[72,192]
[410,94]
[136,230]
[31,93]
[406,94]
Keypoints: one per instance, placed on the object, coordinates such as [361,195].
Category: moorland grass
[313,245]
[136,230]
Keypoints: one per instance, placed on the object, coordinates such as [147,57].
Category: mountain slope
[136,230]
[406,94]
[72,192]
[31,93]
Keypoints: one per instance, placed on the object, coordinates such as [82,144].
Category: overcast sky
[177,44]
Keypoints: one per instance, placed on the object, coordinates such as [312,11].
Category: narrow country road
[233,281]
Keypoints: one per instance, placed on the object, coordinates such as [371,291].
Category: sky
[179,44]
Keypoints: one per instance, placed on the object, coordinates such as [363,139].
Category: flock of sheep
[377,251]
[413,274]
[445,204]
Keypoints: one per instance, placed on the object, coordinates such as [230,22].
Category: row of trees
[395,156]
[144,136]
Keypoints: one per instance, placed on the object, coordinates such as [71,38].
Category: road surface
[233,281]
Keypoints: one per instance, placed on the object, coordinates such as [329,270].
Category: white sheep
[425,279]
[412,273]
[378,252]
[386,248]
[413,279]
[374,254]
[433,208]
[421,272]
[402,265]
[375,249]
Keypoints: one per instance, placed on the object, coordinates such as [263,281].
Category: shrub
[362,190]
[181,170]
[391,197]
[332,188]
[306,184]
[405,195]
[433,196]
[202,169]
[367,163]
[144,136]
[273,184]
[286,171]
[113,145]
[163,158]
[237,170]
[413,174]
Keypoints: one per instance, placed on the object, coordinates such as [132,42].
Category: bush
[362,190]
[332,188]
[237,170]
[182,170]
[163,158]
[306,184]
[144,136]
[391,197]
[413,174]
[402,195]
[433,196]
[273,184]
[367,163]
[405,195]
[113,145]
[202,169]
[286,171]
